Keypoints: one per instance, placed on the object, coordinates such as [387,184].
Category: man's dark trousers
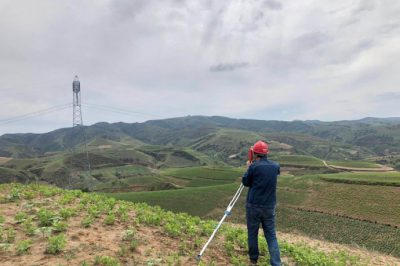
[256,215]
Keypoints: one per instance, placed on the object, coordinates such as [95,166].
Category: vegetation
[299,160]
[189,231]
[382,179]
[56,244]
[354,164]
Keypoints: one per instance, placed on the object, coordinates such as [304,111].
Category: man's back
[261,177]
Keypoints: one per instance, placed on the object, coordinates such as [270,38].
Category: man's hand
[248,163]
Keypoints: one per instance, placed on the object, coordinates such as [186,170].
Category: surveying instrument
[228,210]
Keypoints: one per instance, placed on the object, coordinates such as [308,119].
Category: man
[261,178]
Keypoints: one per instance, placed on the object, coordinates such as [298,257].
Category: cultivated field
[49,226]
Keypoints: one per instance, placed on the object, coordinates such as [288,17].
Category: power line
[34,114]
[118,110]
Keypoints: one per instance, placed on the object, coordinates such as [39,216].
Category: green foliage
[133,244]
[110,219]
[24,246]
[172,229]
[377,178]
[299,160]
[60,226]
[28,227]
[106,261]
[305,255]
[354,164]
[66,213]
[9,235]
[56,244]
[14,194]
[20,217]
[87,221]
[2,219]
[46,217]
[129,234]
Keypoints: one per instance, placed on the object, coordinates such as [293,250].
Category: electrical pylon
[77,111]
[77,121]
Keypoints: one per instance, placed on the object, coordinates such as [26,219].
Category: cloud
[228,67]
[312,59]
[273,4]
[310,40]
[365,5]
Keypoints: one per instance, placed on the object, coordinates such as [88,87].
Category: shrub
[60,226]
[10,235]
[110,219]
[133,244]
[87,221]
[129,234]
[106,261]
[20,217]
[45,217]
[24,246]
[28,227]
[66,213]
[56,244]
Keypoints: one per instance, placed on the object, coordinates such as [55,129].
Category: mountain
[365,137]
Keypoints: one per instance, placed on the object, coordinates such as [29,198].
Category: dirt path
[356,169]
[3,160]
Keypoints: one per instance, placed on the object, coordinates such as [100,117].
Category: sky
[147,59]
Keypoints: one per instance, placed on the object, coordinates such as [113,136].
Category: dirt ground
[3,160]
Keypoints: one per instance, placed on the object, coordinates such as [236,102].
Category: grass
[299,160]
[204,176]
[354,164]
[190,200]
[384,179]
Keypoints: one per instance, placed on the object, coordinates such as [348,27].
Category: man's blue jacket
[261,178]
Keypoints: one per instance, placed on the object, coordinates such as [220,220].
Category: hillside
[49,226]
[58,157]
[361,137]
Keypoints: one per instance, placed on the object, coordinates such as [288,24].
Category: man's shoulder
[266,161]
[273,163]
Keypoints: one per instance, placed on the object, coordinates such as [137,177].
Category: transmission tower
[77,121]
[77,112]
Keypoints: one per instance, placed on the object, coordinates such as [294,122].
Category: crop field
[54,226]
[354,164]
[299,160]
[383,179]
[198,201]
[204,176]
[302,200]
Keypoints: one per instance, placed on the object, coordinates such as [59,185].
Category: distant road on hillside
[382,168]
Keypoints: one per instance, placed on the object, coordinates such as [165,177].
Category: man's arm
[248,177]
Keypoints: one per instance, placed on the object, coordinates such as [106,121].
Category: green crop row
[191,231]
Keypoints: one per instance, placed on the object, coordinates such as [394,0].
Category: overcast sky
[263,59]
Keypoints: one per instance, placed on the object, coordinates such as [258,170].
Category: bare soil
[3,160]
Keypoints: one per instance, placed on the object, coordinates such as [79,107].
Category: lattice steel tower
[77,121]
[77,112]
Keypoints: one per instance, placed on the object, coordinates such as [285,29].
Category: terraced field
[49,226]
[383,179]
[299,160]
[355,164]
[339,212]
